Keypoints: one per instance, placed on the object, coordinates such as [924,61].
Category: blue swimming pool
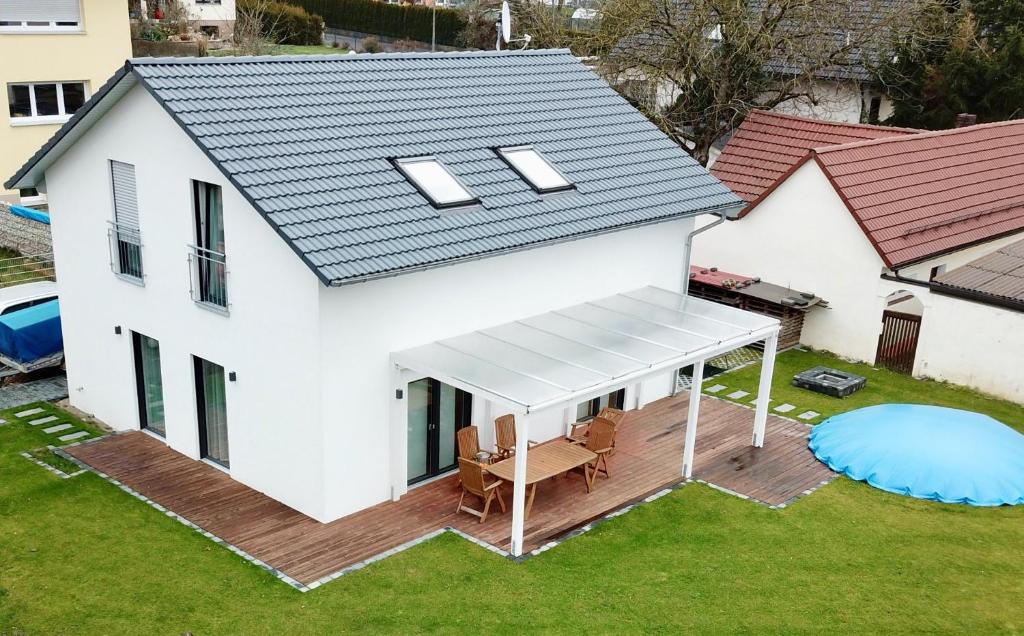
[928,452]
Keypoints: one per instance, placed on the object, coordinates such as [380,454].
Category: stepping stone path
[784,408]
[808,415]
[51,424]
[2,421]
[736,395]
[715,389]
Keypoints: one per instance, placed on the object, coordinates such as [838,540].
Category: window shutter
[126,201]
[40,11]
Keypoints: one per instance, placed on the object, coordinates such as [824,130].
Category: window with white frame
[44,102]
[538,171]
[435,181]
[40,15]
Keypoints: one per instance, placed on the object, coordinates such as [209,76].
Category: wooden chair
[600,442]
[580,430]
[505,436]
[473,482]
[469,443]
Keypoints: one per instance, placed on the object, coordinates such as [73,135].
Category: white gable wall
[802,236]
[365,462]
[269,339]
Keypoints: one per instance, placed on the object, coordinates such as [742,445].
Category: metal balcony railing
[26,269]
[125,250]
[208,276]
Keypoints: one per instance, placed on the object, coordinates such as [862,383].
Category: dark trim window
[874,110]
[590,408]
[435,182]
[125,237]
[149,383]
[209,261]
[535,169]
[212,411]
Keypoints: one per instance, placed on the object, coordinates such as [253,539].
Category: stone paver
[70,437]
[784,408]
[2,421]
[35,411]
[716,388]
[808,415]
[43,390]
[737,395]
[44,420]
[56,429]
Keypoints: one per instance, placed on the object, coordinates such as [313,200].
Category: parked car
[26,295]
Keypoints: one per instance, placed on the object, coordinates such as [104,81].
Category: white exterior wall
[973,344]
[270,338]
[221,12]
[364,323]
[802,236]
[847,102]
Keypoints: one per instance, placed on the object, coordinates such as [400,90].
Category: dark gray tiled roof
[308,141]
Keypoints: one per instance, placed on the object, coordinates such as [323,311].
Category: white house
[868,224]
[293,268]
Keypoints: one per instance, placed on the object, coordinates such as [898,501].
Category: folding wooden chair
[473,482]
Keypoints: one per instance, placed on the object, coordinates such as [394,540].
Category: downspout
[722,216]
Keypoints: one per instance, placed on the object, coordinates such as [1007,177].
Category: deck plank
[647,459]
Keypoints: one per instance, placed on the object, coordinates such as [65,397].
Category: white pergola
[583,351]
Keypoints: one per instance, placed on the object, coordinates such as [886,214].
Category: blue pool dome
[928,452]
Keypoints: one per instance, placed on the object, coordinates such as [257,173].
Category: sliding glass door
[149,383]
[436,412]
[212,409]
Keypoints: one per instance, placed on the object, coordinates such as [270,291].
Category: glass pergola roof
[586,349]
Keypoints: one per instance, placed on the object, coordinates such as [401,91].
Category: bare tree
[697,67]
[257,28]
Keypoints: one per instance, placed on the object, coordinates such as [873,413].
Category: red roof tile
[767,145]
[919,195]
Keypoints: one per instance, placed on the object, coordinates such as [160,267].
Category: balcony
[208,274]
[125,243]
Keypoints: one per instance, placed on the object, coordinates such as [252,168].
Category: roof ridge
[835,124]
[335,57]
[928,134]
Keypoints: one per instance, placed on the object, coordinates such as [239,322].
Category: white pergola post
[764,389]
[691,418]
[519,485]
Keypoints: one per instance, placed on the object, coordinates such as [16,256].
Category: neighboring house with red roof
[868,222]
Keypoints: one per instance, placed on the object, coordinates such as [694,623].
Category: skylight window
[435,181]
[532,166]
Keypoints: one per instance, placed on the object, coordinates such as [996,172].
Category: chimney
[965,119]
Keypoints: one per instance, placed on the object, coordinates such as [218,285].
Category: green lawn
[80,556]
[883,387]
[290,49]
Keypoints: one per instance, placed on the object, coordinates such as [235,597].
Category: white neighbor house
[868,224]
[297,243]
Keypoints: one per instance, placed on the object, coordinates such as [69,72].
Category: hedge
[291,24]
[404,21]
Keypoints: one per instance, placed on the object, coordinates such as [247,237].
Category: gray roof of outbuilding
[308,141]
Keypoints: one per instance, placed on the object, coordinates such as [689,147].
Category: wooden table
[544,462]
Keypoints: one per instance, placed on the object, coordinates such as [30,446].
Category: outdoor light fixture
[398,394]
[117,330]
[232,376]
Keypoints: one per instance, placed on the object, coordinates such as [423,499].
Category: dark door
[211,405]
[436,412]
[897,345]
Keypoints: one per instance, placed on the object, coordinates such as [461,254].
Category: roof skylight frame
[504,152]
[403,163]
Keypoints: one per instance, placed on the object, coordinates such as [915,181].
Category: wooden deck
[648,458]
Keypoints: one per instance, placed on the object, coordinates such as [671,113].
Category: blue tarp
[928,452]
[29,213]
[33,333]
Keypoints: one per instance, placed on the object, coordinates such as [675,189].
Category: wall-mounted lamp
[398,394]
[232,376]
[117,330]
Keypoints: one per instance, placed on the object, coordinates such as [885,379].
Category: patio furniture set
[586,448]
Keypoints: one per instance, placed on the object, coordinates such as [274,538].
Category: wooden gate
[897,346]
